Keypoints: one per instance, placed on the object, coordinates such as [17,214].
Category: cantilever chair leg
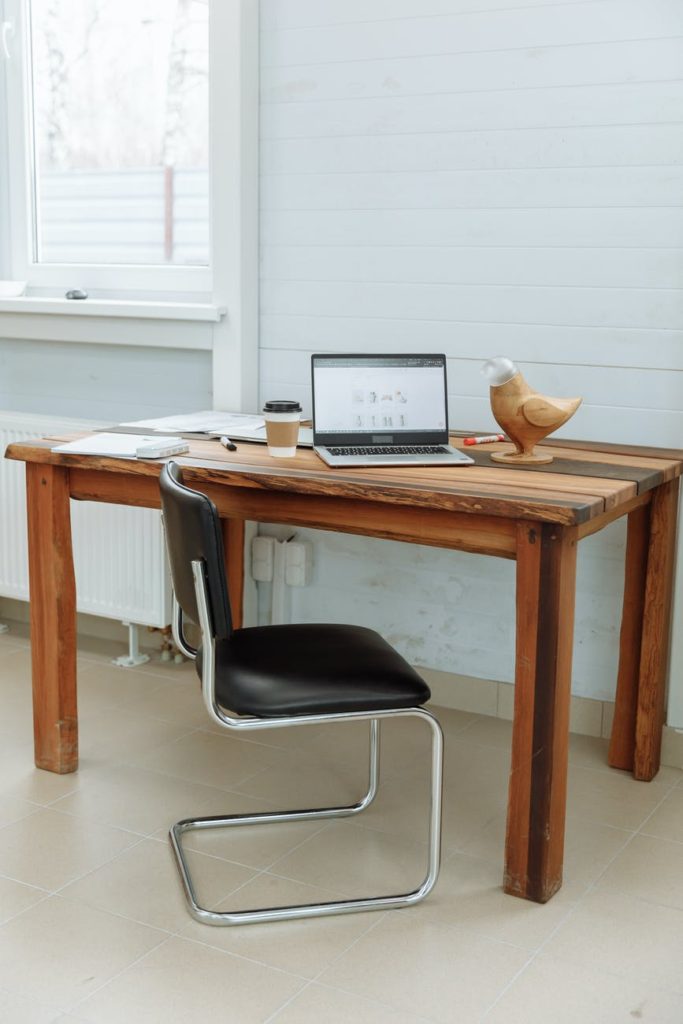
[338,906]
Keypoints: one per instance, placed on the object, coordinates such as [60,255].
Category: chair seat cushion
[273,671]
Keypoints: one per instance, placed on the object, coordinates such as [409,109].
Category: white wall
[102,382]
[437,175]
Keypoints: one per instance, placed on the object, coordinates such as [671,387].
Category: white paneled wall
[438,175]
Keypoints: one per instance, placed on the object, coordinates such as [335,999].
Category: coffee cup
[282,427]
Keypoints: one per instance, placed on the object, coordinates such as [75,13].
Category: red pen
[484,440]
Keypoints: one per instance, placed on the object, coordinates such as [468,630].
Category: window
[108,142]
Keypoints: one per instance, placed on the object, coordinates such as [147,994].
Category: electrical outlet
[262,549]
[298,563]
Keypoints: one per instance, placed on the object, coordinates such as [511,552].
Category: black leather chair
[272,676]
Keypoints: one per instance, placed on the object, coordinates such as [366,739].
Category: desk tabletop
[585,481]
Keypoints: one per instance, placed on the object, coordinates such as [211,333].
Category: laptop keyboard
[393,450]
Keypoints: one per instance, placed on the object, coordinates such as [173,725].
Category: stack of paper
[209,423]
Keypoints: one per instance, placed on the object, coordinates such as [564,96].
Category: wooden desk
[534,516]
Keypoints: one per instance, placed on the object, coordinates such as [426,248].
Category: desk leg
[622,742]
[646,620]
[233,543]
[546,581]
[654,647]
[53,618]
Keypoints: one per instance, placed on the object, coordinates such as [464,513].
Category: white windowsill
[114,308]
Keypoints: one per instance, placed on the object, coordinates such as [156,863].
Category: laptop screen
[378,399]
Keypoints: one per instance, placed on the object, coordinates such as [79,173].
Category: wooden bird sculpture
[524,415]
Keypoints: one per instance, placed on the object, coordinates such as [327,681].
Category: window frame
[54,278]
[233,301]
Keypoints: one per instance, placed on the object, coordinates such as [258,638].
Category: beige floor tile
[13,809]
[356,861]
[256,846]
[16,897]
[452,721]
[565,993]
[318,1003]
[589,751]
[210,759]
[16,636]
[19,1008]
[650,869]
[175,700]
[102,685]
[441,972]
[16,724]
[468,814]
[402,742]
[301,947]
[143,884]
[169,671]
[49,849]
[624,936]
[489,732]
[469,894]
[115,736]
[401,807]
[300,779]
[667,820]
[475,789]
[15,669]
[130,797]
[612,798]
[61,951]
[21,780]
[188,981]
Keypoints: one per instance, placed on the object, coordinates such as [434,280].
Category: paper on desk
[212,422]
[118,446]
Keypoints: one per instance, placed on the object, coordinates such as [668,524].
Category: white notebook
[118,446]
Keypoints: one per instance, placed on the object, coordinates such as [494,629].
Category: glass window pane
[120,106]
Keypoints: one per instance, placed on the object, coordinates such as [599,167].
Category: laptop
[377,410]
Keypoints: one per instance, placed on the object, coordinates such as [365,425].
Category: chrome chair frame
[246,723]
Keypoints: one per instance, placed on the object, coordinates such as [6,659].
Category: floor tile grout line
[13,917]
[91,871]
[372,926]
[342,992]
[508,986]
[73,1007]
[236,956]
[167,932]
[572,909]
[656,808]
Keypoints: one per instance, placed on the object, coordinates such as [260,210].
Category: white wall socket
[298,561]
[262,549]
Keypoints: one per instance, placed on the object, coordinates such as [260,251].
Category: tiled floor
[93,928]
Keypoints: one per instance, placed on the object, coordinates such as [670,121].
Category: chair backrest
[193,533]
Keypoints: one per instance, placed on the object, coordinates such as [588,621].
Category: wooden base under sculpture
[518,458]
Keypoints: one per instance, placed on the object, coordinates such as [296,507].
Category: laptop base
[449,457]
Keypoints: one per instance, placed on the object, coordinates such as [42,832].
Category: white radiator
[119,556]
